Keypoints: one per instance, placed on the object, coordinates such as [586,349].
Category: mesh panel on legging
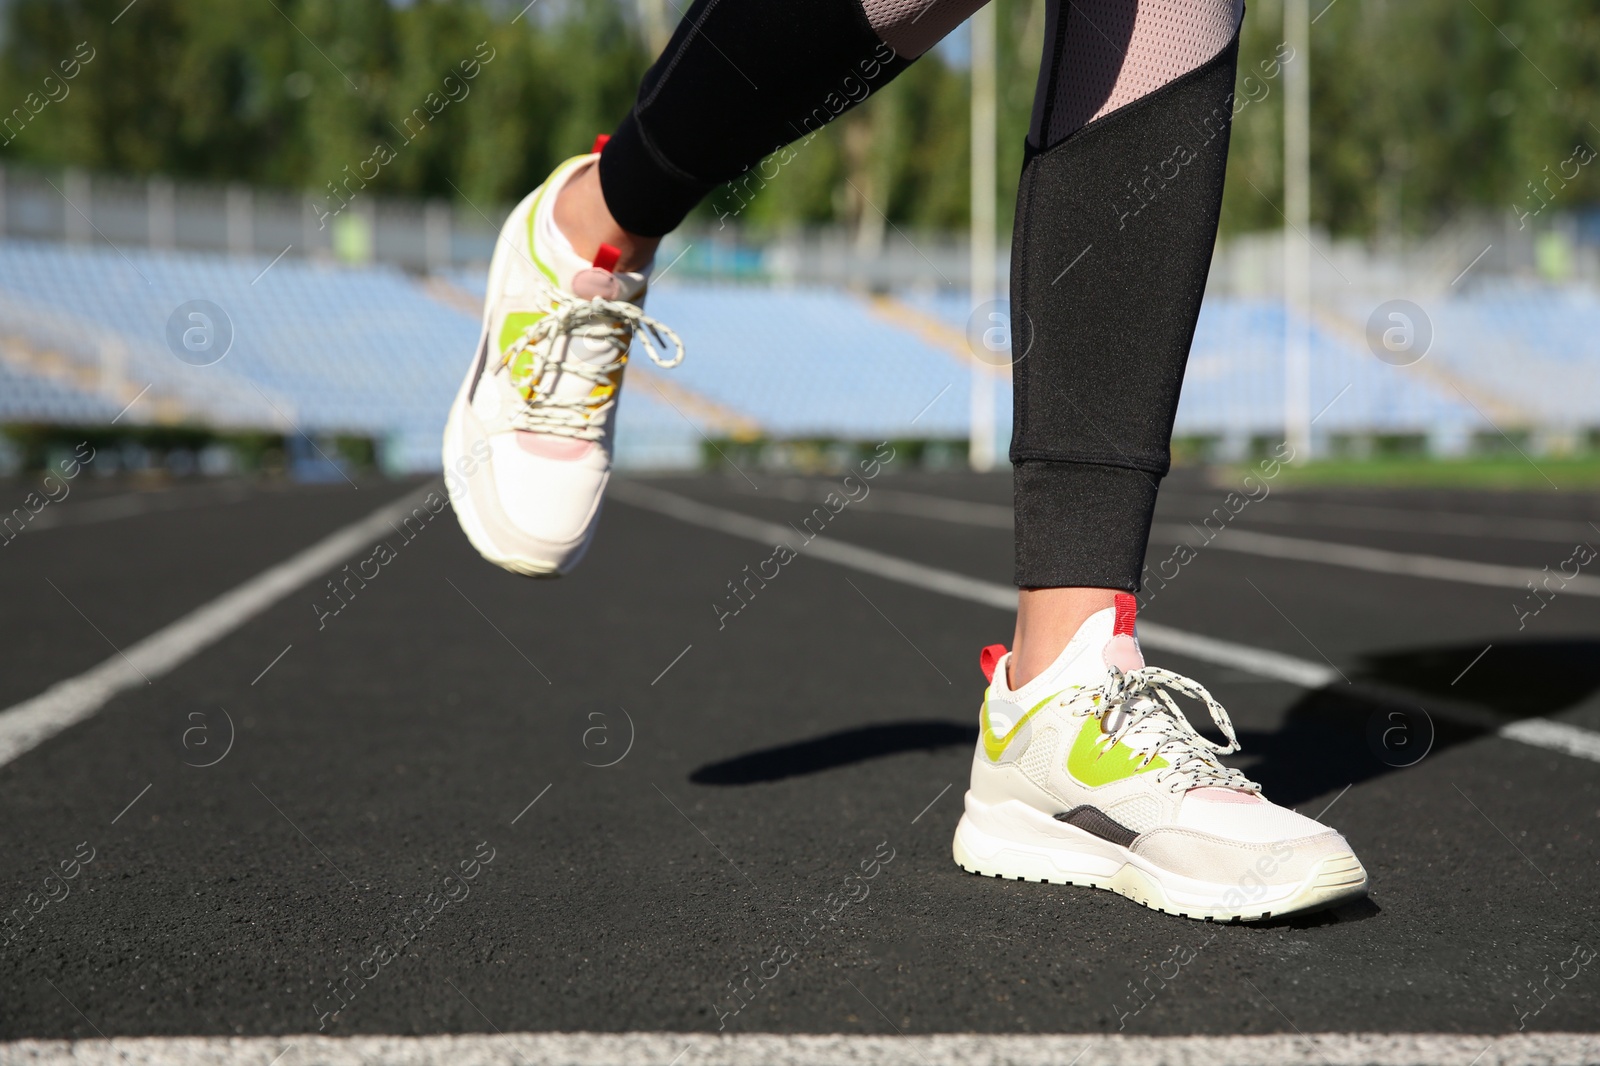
[911,27]
[1103,54]
[1116,50]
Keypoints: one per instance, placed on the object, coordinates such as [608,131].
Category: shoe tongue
[587,281]
[594,281]
[1105,639]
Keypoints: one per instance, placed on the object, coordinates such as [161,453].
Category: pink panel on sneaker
[1122,651]
[547,446]
[593,281]
[1215,794]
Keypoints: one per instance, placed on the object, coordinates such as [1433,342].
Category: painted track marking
[777,1049]
[1378,560]
[1537,732]
[30,723]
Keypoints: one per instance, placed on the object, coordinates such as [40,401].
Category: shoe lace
[1140,703]
[614,322]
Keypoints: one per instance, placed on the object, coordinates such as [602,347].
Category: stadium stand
[28,397]
[1502,356]
[315,348]
[320,349]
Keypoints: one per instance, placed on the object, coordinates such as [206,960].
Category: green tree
[1421,109]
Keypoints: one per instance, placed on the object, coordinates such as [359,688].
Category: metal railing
[431,235]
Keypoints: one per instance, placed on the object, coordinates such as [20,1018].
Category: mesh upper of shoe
[1038,760]
[1139,813]
[1262,822]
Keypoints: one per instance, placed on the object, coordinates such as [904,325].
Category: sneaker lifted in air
[527,448]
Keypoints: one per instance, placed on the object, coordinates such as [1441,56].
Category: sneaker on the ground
[1090,774]
[527,448]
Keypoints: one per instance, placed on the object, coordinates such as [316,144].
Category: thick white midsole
[1014,840]
[467,513]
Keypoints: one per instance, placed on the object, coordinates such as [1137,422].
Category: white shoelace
[1139,703]
[614,322]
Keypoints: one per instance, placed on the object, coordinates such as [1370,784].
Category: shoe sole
[1057,856]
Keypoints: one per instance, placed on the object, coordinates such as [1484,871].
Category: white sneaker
[527,448]
[1091,775]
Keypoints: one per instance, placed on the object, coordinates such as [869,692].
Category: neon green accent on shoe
[516,322]
[1094,766]
[993,746]
[533,213]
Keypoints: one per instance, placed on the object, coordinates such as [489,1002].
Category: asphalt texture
[625,801]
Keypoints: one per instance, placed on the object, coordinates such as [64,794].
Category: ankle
[1047,620]
[584,219]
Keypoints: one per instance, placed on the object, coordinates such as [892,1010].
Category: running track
[449,712]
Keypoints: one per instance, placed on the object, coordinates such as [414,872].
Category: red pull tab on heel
[989,658]
[600,143]
[606,258]
[1127,614]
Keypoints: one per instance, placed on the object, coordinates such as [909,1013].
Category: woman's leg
[739,80]
[1116,217]
[1079,775]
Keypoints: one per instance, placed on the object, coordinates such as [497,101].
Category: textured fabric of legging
[1116,216]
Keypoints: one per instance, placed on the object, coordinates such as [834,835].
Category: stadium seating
[319,349]
[27,397]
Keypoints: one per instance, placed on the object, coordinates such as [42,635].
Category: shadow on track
[1406,705]
[1518,679]
[1403,706]
[835,750]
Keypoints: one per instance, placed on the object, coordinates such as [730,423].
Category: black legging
[1116,217]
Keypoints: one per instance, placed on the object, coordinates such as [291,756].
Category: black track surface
[830,719]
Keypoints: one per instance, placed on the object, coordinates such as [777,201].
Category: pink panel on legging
[911,27]
[1115,51]
[1112,52]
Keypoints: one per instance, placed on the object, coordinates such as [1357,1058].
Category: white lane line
[1393,519]
[110,508]
[31,722]
[1287,512]
[1538,732]
[921,505]
[1380,561]
[1262,662]
[897,501]
[776,1049]
[1557,736]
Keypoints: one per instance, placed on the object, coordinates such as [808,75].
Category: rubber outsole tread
[1237,919]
